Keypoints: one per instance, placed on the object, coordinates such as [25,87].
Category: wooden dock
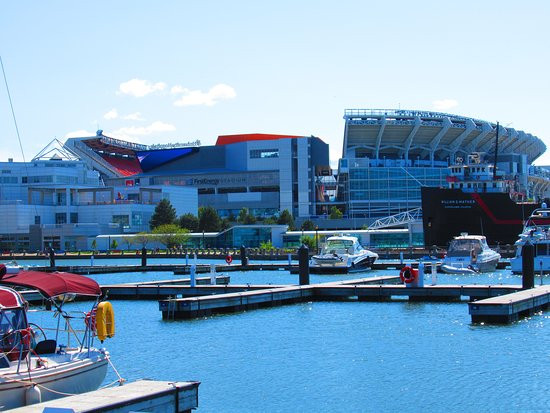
[160,291]
[153,290]
[510,307]
[251,298]
[142,395]
[180,269]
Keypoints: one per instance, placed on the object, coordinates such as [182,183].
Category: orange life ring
[229,259]
[408,275]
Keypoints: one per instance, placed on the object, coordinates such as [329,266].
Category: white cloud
[140,87]
[197,97]
[79,134]
[155,127]
[112,114]
[444,104]
[133,116]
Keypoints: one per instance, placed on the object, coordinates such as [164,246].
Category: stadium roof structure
[56,151]
[411,134]
[246,137]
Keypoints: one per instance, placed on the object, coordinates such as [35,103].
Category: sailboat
[35,367]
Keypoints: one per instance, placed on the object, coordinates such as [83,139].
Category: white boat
[12,267]
[537,231]
[469,254]
[36,368]
[342,254]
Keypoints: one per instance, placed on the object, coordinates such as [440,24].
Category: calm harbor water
[338,356]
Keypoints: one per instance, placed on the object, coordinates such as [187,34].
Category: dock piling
[528,266]
[144,257]
[303,260]
[192,271]
[52,257]
[244,258]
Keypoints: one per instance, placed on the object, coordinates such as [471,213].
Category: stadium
[265,173]
[389,154]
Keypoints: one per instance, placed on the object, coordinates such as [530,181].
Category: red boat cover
[10,298]
[52,284]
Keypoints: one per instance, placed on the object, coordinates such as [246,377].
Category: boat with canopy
[35,367]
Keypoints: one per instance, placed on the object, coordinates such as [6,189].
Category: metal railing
[398,219]
[406,113]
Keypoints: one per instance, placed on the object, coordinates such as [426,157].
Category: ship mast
[496,156]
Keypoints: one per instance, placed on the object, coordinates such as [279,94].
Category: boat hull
[75,377]
[341,267]
[447,212]
[541,264]
[456,266]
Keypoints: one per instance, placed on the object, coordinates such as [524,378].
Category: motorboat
[342,254]
[35,367]
[12,267]
[537,232]
[469,254]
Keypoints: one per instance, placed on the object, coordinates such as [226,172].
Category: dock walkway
[142,395]
[510,307]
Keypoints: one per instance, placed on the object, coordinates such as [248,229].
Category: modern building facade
[389,154]
[263,172]
[57,200]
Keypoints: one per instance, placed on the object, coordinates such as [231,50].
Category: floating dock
[180,269]
[510,307]
[139,396]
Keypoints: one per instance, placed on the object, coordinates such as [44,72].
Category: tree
[308,225]
[335,213]
[209,220]
[142,239]
[189,221]
[285,218]
[308,241]
[225,224]
[128,241]
[164,213]
[266,246]
[245,217]
[171,235]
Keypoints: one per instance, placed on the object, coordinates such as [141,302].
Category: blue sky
[176,71]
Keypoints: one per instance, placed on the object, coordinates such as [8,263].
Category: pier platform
[182,269]
[509,308]
[139,396]
[364,289]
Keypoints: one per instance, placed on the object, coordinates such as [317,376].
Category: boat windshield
[338,246]
[464,247]
[11,320]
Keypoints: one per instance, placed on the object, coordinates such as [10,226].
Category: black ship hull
[448,212]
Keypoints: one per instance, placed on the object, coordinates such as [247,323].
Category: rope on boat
[120,380]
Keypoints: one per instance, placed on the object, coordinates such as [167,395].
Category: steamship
[479,200]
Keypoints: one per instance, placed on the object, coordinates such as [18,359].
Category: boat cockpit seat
[45,347]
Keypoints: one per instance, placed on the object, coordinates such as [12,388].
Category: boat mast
[496,157]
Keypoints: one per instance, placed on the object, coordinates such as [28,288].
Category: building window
[37,219]
[74,217]
[203,191]
[137,219]
[121,220]
[264,153]
[60,218]
[231,190]
[24,179]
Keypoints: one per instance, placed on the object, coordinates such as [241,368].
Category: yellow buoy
[105,320]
